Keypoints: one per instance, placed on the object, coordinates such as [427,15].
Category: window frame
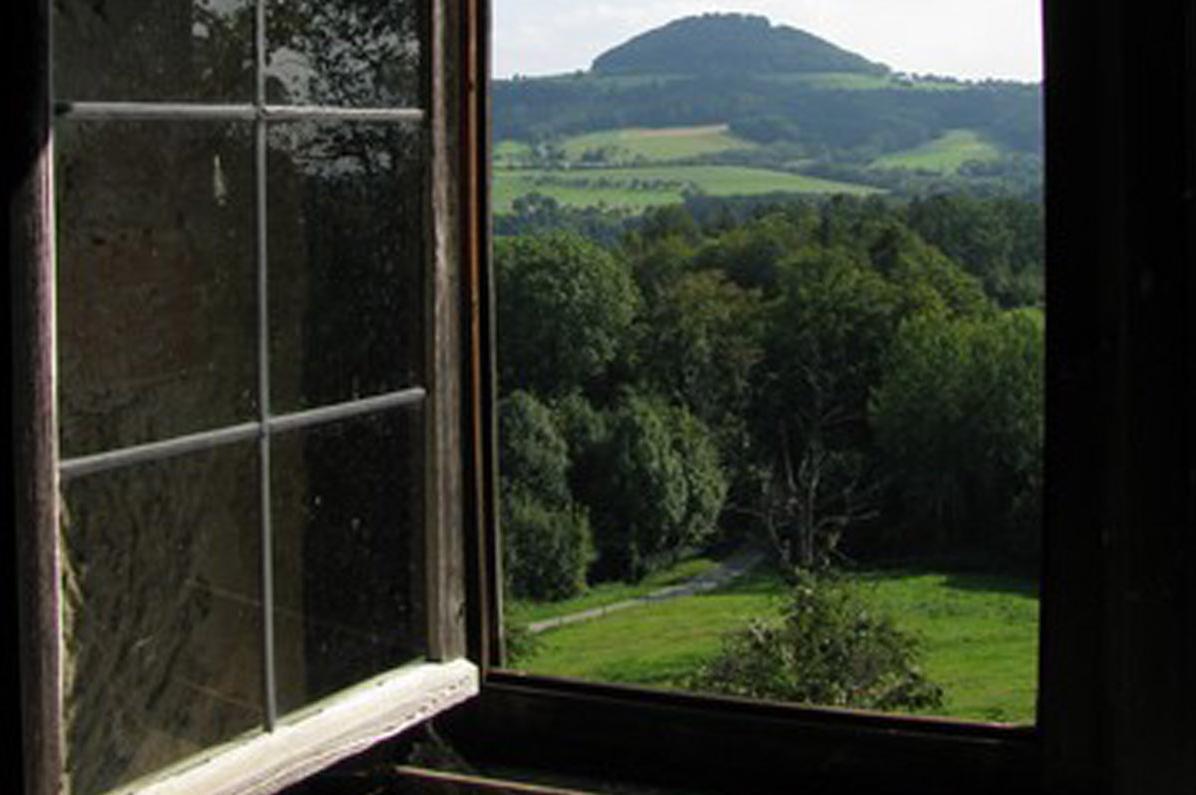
[340,725]
[1117,606]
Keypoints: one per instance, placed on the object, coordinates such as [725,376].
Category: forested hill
[729,43]
[793,100]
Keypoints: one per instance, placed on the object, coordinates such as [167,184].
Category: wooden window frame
[349,721]
[1116,711]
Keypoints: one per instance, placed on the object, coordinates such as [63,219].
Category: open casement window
[1116,710]
[237,268]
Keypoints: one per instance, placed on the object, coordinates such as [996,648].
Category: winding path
[735,566]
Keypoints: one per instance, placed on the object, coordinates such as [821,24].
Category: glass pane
[348,53]
[770,318]
[132,50]
[346,240]
[348,560]
[156,286]
[162,613]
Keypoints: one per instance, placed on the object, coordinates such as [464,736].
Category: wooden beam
[445,562]
[34,518]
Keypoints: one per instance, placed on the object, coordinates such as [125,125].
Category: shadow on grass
[961,576]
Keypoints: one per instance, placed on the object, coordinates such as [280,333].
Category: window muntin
[245,391]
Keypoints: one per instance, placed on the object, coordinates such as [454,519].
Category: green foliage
[546,549]
[547,544]
[829,647]
[565,307]
[999,241]
[959,422]
[656,489]
[533,456]
[519,644]
[702,337]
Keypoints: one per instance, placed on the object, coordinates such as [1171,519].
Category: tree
[546,549]
[565,308]
[533,456]
[829,647]
[700,341]
[657,487]
[959,422]
[547,543]
[826,337]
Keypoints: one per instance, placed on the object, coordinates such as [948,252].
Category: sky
[969,39]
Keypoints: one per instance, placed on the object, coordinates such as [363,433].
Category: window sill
[320,735]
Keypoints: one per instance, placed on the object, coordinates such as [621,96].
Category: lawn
[979,633]
[943,155]
[639,188]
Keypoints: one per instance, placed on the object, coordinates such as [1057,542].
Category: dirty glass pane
[348,560]
[349,53]
[161,613]
[132,50]
[156,316]
[346,238]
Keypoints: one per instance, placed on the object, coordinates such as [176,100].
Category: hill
[729,43]
[782,99]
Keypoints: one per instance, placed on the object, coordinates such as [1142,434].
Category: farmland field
[979,634]
[943,155]
[656,145]
[639,188]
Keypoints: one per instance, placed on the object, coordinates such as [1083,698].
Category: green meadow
[979,634]
[943,155]
[656,145]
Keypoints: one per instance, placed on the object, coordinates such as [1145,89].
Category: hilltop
[729,43]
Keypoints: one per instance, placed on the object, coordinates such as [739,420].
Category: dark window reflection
[356,53]
[162,613]
[346,239]
[156,291]
[348,560]
[163,50]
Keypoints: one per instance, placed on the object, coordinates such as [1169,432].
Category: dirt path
[735,566]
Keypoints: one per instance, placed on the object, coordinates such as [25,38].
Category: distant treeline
[826,123]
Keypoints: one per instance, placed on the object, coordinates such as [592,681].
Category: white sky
[961,38]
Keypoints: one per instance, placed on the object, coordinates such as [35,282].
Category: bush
[828,648]
[545,549]
[656,488]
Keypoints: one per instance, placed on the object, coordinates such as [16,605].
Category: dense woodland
[853,379]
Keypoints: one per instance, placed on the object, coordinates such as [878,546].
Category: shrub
[829,647]
[545,549]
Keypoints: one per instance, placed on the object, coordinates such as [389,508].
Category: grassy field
[639,188]
[655,145]
[943,155]
[979,634]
